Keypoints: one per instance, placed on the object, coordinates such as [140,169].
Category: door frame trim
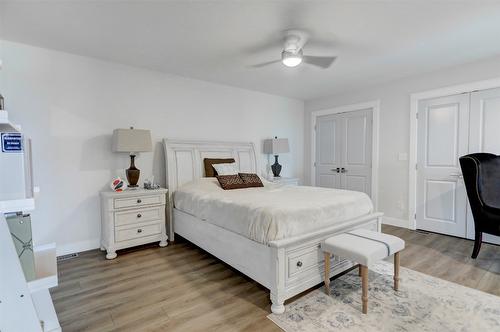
[415,98]
[374,105]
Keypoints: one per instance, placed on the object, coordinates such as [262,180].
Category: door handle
[343,170]
[457,175]
[336,170]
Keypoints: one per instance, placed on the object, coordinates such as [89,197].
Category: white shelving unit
[45,268]
[46,278]
[12,206]
[5,124]
[17,308]
[24,306]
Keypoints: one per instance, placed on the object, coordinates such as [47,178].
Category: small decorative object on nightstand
[132,141]
[276,146]
[285,181]
[131,218]
[118,185]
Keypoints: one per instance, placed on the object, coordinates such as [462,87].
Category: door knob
[343,170]
[457,175]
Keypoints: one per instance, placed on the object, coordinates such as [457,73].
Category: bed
[257,231]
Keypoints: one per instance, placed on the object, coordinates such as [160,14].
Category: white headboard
[184,163]
[184,158]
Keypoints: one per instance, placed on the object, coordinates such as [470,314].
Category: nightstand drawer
[120,203]
[139,215]
[137,232]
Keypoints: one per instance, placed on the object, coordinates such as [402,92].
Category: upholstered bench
[365,248]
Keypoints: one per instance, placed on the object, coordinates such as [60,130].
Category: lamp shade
[132,140]
[276,146]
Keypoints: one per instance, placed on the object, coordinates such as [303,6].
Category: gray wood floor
[449,258]
[182,288]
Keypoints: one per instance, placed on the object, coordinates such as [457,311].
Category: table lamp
[276,146]
[132,141]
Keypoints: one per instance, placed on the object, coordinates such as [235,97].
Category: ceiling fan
[293,54]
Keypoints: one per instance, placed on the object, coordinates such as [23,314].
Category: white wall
[394,126]
[69,105]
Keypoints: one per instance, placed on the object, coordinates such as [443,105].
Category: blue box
[12,142]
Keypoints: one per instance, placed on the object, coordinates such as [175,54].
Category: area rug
[423,303]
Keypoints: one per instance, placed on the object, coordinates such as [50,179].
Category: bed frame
[286,267]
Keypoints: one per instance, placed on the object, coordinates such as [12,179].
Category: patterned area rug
[423,303]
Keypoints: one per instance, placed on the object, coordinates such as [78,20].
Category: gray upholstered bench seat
[364,247]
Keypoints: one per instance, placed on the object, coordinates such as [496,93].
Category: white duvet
[272,212]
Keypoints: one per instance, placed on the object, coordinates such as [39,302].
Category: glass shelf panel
[20,230]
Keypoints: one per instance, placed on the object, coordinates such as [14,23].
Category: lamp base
[132,173]
[276,167]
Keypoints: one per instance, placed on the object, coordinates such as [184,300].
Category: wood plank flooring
[182,288]
[448,258]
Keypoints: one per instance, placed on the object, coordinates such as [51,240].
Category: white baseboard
[491,238]
[70,248]
[395,222]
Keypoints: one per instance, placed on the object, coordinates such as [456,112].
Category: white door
[443,130]
[357,151]
[484,136]
[344,151]
[328,155]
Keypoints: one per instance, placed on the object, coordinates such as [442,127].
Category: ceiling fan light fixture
[291,59]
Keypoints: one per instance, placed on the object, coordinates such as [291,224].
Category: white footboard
[286,267]
[300,261]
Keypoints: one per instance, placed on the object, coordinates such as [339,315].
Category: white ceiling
[218,40]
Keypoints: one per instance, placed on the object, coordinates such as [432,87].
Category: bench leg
[364,284]
[327,273]
[396,271]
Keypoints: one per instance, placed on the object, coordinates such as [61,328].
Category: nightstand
[285,181]
[131,218]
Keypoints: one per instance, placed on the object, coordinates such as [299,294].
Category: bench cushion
[363,246]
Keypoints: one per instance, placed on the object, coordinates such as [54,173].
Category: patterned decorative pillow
[251,180]
[228,182]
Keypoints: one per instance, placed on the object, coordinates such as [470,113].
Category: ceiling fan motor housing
[294,40]
[291,53]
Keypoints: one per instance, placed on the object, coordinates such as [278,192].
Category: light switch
[402,156]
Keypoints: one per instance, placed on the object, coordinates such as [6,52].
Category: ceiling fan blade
[320,61]
[263,64]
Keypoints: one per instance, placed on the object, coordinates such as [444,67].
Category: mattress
[272,212]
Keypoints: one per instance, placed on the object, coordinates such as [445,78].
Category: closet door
[328,154]
[485,121]
[484,135]
[443,130]
[357,151]
[344,151]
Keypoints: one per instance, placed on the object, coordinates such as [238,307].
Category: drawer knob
[139,230]
[139,201]
[139,215]
[299,263]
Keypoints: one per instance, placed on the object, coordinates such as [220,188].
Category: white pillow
[226,169]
